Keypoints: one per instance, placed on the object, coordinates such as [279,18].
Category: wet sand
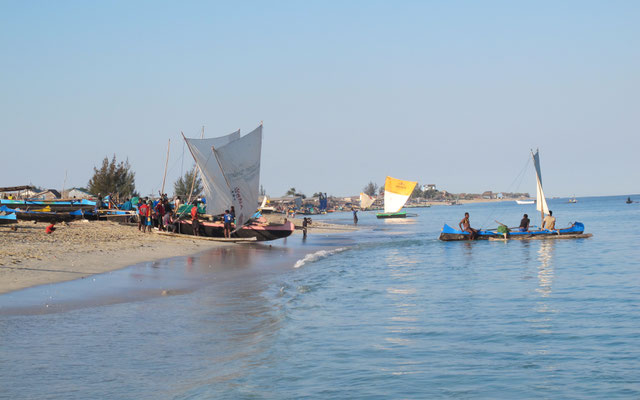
[30,257]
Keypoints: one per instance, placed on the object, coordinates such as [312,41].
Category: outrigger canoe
[8,219]
[576,230]
[259,230]
[401,214]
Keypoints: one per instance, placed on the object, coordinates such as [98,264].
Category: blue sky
[451,93]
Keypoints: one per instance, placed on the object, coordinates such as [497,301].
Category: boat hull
[401,214]
[8,219]
[262,232]
[451,234]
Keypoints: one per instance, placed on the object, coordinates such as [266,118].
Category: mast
[166,164]
[195,173]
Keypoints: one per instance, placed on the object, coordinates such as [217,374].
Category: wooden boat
[629,201]
[573,200]
[396,194]
[261,231]
[49,205]
[8,219]
[44,216]
[576,230]
[401,214]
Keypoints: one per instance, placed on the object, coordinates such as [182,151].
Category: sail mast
[166,164]
[195,172]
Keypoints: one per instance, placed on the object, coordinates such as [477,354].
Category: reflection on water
[545,269]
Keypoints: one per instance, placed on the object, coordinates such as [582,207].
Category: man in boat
[195,223]
[227,223]
[549,222]
[524,223]
[465,226]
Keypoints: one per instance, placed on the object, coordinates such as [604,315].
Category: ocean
[386,312]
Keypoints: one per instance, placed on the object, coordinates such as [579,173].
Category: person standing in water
[355,216]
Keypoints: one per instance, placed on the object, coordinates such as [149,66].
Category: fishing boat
[8,219]
[575,230]
[629,201]
[230,170]
[523,202]
[396,194]
[573,200]
[46,216]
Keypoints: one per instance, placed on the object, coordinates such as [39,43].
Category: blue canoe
[576,230]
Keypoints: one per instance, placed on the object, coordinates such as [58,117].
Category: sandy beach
[30,257]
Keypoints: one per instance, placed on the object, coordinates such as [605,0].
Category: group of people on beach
[548,223]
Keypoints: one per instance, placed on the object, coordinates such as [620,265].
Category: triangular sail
[240,161]
[216,190]
[366,201]
[541,202]
[396,194]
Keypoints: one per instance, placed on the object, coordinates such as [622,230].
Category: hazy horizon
[454,94]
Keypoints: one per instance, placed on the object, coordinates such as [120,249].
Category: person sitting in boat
[524,223]
[549,222]
[465,226]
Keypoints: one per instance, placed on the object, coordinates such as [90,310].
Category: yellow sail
[396,193]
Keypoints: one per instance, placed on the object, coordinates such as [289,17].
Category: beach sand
[30,257]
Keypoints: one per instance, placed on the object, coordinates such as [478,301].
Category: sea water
[386,312]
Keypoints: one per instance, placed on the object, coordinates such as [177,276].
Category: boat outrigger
[576,230]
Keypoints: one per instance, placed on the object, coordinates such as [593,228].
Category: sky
[453,93]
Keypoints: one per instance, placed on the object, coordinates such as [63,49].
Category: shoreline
[29,257]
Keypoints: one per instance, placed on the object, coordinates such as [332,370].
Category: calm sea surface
[386,312]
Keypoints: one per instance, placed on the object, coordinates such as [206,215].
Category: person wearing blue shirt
[227,224]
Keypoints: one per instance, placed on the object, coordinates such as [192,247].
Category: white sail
[240,161]
[366,201]
[396,193]
[216,190]
[541,202]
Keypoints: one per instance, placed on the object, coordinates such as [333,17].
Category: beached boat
[576,230]
[45,216]
[8,219]
[396,194]
[259,229]
[230,170]
[522,202]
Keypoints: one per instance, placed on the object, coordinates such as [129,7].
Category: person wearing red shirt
[194,219]
[142,214]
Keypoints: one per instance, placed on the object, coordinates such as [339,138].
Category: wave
[318,255]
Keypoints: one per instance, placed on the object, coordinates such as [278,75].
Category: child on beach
[49,230]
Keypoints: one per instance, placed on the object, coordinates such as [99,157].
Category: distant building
[487,195]
[49,194]
[426,188]
[78,193]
